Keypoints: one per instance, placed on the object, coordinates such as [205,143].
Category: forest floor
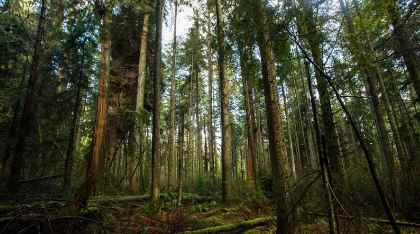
[135,214]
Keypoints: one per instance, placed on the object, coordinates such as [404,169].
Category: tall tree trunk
[68,164]
[93,169]
[383,137]
[274,118]
[180,157]
[291,154]
[246,53]
[260,138]
[225,109]
[210,97]
[329,129]
[172,127]
[139,123]
[198,140]
[411,145]
[326,177]
[155,190]
[28,106]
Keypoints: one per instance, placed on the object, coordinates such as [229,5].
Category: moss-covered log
[235,227]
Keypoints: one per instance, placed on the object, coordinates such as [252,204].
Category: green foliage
[151,208]
[204,186]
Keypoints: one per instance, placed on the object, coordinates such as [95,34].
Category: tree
[172,127]
[402,44]
[28,106]
[139,124]
[68,164]
[362,55]
[225,108]
[93,173]
[210,126]
[308,27]
[274,115]
[180,157]
[155,190]
[247,75]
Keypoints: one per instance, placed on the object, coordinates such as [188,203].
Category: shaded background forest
[311,105]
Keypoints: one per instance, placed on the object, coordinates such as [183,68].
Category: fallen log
[39,179]
[110,199]
[146,197]
[369,219]
[244,225]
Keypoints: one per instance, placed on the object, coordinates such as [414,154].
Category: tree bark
[225,109]
[156,154]
[246,53]
[141,114]
[93,169]
[274,118]
[210,97]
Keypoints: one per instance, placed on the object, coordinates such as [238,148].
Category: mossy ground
[129,215]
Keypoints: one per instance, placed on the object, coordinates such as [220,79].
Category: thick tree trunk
[225,109]
[93,169]
[275,135]
[25,125]
[141,114]
[210,100]
[246,53]
[274,119]
[156,154]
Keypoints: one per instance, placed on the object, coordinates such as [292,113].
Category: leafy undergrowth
[142,217]
[128,214]
[135,214]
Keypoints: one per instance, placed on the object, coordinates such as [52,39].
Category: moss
[211,221]
[7,207]
[90,211]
